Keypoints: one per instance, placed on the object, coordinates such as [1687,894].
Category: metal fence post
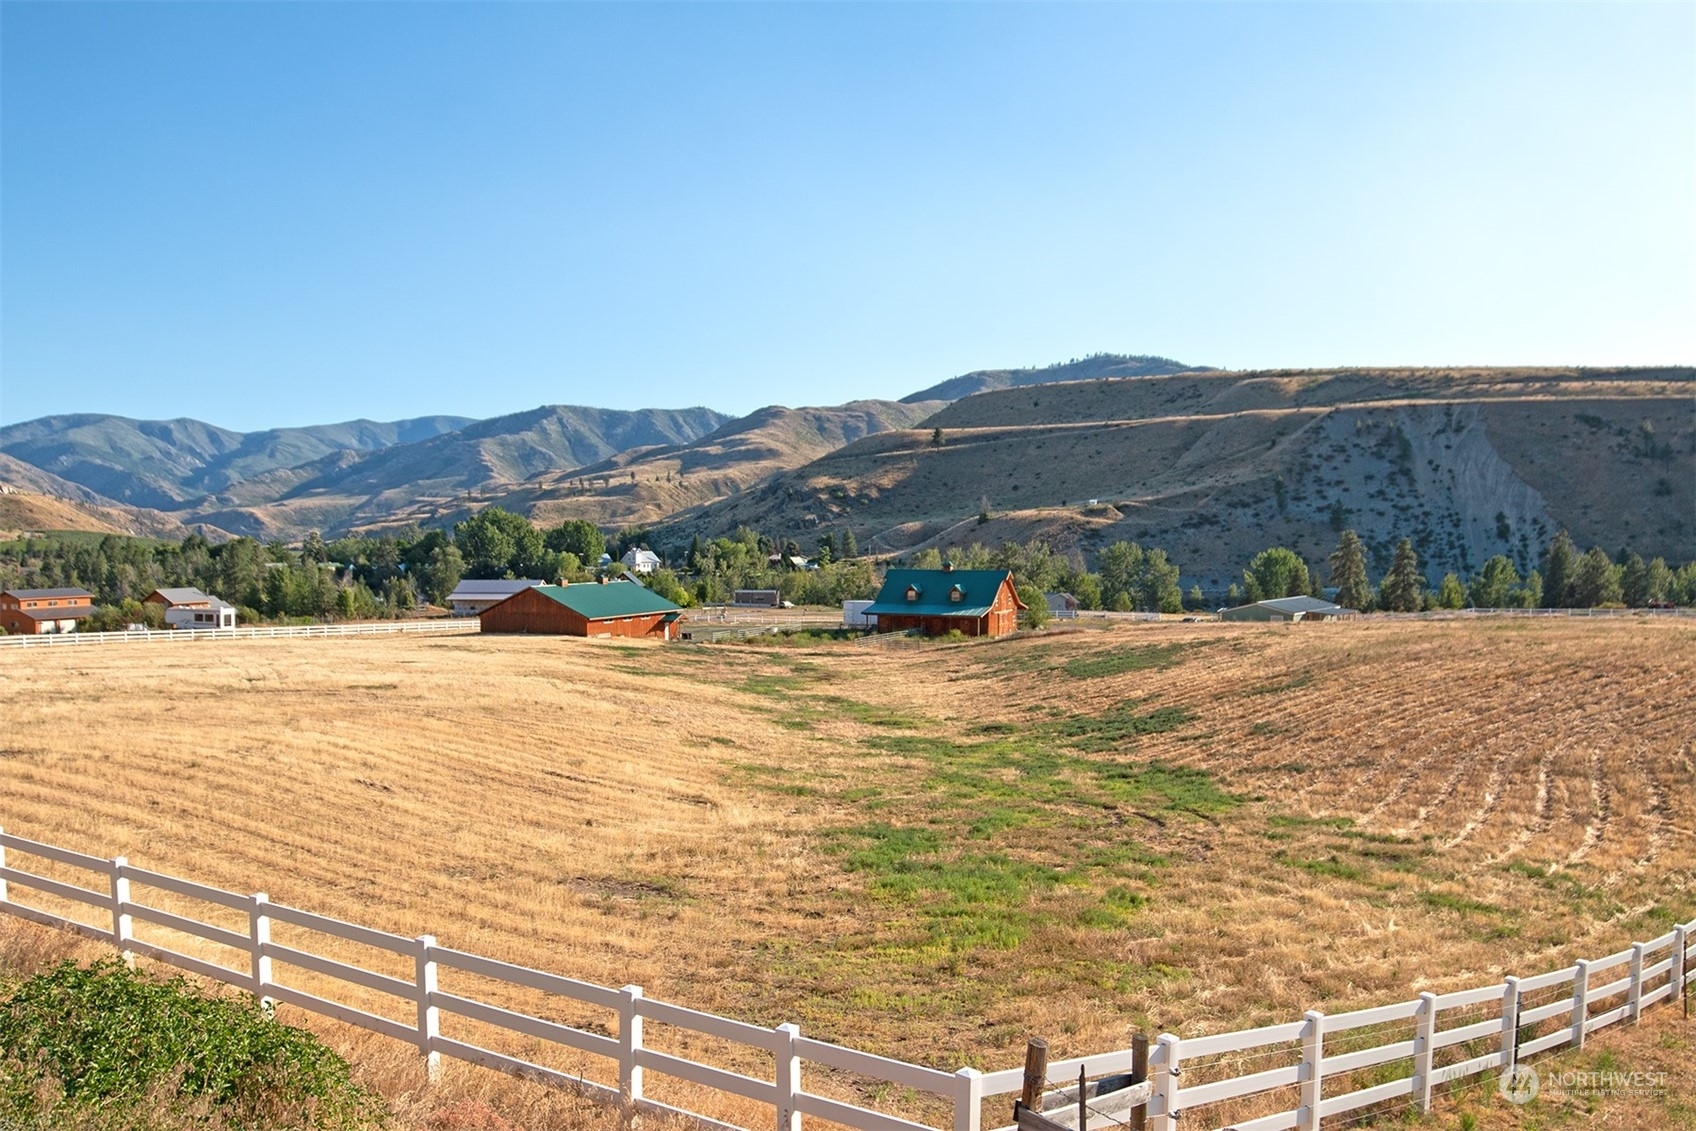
[1634,995]
[1580,1008]
[123,927]
[1164,1065]
[1424,1051]
[1510,1023]
[429,1017]
[259,941]
[788,1078]
[629,1043]
[1312,1083]
[968,1100]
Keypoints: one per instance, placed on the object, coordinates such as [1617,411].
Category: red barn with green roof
[975,602]
[614,608]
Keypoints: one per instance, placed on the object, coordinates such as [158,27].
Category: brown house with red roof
[39,612]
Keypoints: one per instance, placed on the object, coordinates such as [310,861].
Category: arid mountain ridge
[1211,465]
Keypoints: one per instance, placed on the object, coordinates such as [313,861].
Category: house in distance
[190,608]
[43,612]
[973,602]
[590,608]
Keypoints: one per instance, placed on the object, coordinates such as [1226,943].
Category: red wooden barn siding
[1002,618]
[530,612]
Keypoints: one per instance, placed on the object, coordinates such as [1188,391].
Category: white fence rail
[1394,1054]
[251,632]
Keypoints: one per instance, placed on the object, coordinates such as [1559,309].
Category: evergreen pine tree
[1559,565]
[1403,587]
[1348,572]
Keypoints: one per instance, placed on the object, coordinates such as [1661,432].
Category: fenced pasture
[458,625]
[1190,829]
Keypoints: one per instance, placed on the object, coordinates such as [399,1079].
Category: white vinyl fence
[1294,1075]
[188,636]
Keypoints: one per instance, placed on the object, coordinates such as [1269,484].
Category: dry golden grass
[914,853]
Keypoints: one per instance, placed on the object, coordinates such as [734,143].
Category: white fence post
[1634,995]
[429,1017]
[1312,1083]
[1424,1049]
[1580,1009]
[1165,1070]
[1510,1024]
[968,1100]
[259,939]
[123,927]
[1679,943]
[788,1078]
[4,897]
[629,1041]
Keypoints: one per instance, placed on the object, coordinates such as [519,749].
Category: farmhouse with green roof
[974,602]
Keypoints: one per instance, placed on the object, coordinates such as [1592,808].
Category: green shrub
[103,1045]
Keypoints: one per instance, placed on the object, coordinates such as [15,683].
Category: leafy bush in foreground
[104,1046]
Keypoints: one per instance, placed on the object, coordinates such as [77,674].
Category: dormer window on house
[912,592]
[956,594]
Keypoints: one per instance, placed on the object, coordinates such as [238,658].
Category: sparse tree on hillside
[1348,573]
[1403,590]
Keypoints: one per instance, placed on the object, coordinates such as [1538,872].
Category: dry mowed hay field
[931,855]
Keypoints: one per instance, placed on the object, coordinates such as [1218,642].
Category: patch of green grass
[1293,683]
[1170,787]
[1448,901]
[1296,821]
[1117,727]
[1330,866]
[103,1045]
[1151,657]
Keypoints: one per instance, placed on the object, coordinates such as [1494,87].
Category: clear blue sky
[271,214]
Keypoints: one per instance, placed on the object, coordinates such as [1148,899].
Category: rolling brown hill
[1217,466]
[650,484]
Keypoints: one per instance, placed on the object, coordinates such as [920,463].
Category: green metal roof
[614,599]
[934,592]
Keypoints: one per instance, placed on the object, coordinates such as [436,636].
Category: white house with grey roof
[471,596]
[1287,610]
[189,608]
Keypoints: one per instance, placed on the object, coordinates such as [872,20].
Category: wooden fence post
[1166,1069]
[1036,1073]
[1312,1055]
[1510,1023]
[259,940]
[1139,1073]
[788,1078]
[1424,1050]
[1634,995]
[1580,1009]
[429,1017]
[968,1100]
[123,927]
[629,1041]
